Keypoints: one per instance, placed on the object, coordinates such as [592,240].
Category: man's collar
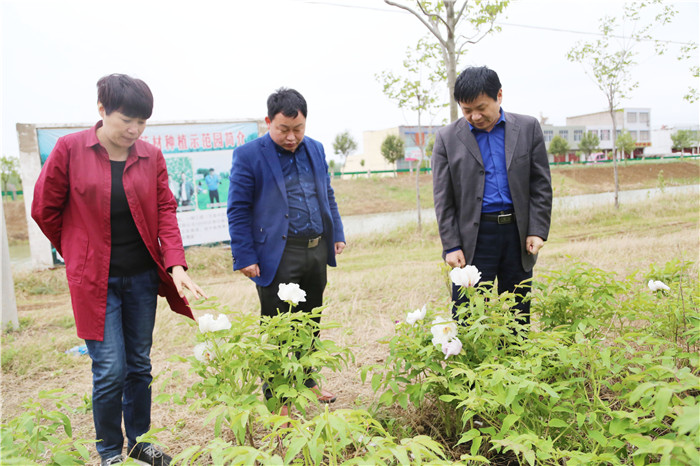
[282,150]
[501,120]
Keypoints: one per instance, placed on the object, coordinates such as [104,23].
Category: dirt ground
[600,178]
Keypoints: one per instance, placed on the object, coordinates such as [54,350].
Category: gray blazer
[458,183]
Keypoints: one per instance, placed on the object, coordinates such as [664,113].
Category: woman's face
[121,131]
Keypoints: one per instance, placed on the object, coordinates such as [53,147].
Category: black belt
[304,241]
[501,218]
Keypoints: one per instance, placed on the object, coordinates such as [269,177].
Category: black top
[129,254]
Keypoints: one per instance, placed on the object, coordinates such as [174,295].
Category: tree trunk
[451,59]
[614,140]
[421,144]
[418,163]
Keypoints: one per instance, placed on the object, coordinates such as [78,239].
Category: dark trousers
[213,195]
[497,256]
[304,266]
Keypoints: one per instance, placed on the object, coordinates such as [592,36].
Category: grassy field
[378,279]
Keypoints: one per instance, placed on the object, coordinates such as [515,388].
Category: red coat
[72,207]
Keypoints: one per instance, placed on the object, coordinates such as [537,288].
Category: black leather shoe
[150,454]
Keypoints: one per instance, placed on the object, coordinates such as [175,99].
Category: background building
[372,149]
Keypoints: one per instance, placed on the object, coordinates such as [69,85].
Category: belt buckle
[504,218]
[313,242]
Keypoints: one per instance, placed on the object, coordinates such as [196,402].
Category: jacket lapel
[512,130]
[465,135]
[270,156]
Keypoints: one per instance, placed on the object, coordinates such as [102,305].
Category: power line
[499,23]
[572,31]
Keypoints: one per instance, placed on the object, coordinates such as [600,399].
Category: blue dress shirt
[492,145]
[304,210]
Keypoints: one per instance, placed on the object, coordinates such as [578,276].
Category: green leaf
[508,422]
[661,403]
[476,444]
[556,422]
[598,437]
[619,427]
[640,391]
[376,381]
[295,447]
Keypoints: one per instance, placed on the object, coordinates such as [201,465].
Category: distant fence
[593,162]
[12,194]
[636,159]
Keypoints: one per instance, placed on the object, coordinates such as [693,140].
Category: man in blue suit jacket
[282,215]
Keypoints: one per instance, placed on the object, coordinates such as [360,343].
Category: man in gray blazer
[492,188]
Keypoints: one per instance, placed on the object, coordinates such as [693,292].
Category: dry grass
[379,279]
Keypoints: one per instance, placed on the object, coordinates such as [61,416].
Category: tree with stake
[685,139]
[558,146]
[455,25]
[416,91]
[393,149]
[625,143]
[344,145]
[589,143]
[610,58]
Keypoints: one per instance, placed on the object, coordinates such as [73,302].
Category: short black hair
[286,101]
[474,81]
[122,93]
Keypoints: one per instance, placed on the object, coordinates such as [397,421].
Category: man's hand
[455,259]
[251,271]
[533,244]
[182,281]
[339,246]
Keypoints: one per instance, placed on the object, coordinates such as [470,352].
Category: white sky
[207,59]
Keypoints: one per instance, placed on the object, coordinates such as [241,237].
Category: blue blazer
[258,212]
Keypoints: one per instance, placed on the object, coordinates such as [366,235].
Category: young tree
[610,58]
[558,146]
[344,145]
[589,142]
[393,149]
[455,25]
[685,139]
[9,173]
[625,143]
[416,91]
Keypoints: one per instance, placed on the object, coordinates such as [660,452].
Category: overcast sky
[208,59]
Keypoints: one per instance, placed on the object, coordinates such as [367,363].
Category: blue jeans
[121,363]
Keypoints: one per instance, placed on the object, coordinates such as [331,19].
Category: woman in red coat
[103,200]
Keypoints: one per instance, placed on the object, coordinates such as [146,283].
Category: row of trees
[624,143]
[590,143]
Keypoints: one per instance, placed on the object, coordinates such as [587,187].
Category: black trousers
[306,267]
[301,265]
[213,196]
[497,256]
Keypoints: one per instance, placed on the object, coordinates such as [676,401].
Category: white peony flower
[415,316]
[291,293]
[657,285]
[467,276]
[207,323]
[452,348]
[443,331]
[204,352]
